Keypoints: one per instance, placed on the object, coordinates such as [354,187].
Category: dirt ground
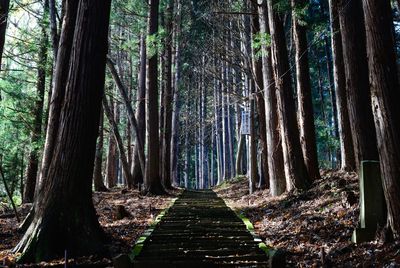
[141,211]
[307,226]
[312,224]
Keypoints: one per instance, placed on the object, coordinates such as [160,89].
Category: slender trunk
[259,84]
[225,122]
[167,100]
[33,162]
[176,105]
[253,174]
[385,94]
[131,114]
[112,159]
[239,155]
[55,37]
[140,113]
[346,141]
[98,161]
[4,7]
[119,142]
[295,169]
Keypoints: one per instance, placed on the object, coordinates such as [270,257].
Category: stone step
[199,230]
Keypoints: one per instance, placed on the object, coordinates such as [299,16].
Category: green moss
[143,238]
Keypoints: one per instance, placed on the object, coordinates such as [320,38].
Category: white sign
[245,128]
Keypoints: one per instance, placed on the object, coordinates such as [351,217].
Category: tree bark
[385,94]
[60,78]
[55,37]
[304,97]
[357,82]
[152,178]
[277,181]
[119,142]
[176,105]
[140,116]
[65,218]
[4,7]
[295,169]
[98,162]
[259,84]
[112,159]
[137,173]
[253,172]
[339,77]
[167,100]
[33,162]
[131,114]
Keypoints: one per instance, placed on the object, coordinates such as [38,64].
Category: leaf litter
[315,226]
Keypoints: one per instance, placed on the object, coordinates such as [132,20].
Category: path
[199,230]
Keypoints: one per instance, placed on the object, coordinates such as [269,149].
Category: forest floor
[308,225]
[123,214]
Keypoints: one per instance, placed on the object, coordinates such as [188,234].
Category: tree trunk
[167,100]
[253,172]
[140,113]
[225,122]
[98,161]
[357,83]
[60,78]
[259,84]
[55,37]
[131,114]
[295,169]
[218,127]
[304,97]
[112,160]
[152,179]
[277,181]
[385,94]
[119,143]
[346,141]
[176,105]
[4,6]
[65,218]
[239,155]
[33,162]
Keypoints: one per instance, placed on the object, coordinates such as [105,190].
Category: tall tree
[120,145]
[33,162]
[304,96]
[152,178]
[112,158]
[385,93]
[167,100]
[176,105]
[140,115]
[339,77]
[98,162]
[65,218]
[295,169]
[277,181]
[357,83]
[60,78]
[259,84]
[4,7]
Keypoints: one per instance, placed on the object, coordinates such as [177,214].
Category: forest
[176,133]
